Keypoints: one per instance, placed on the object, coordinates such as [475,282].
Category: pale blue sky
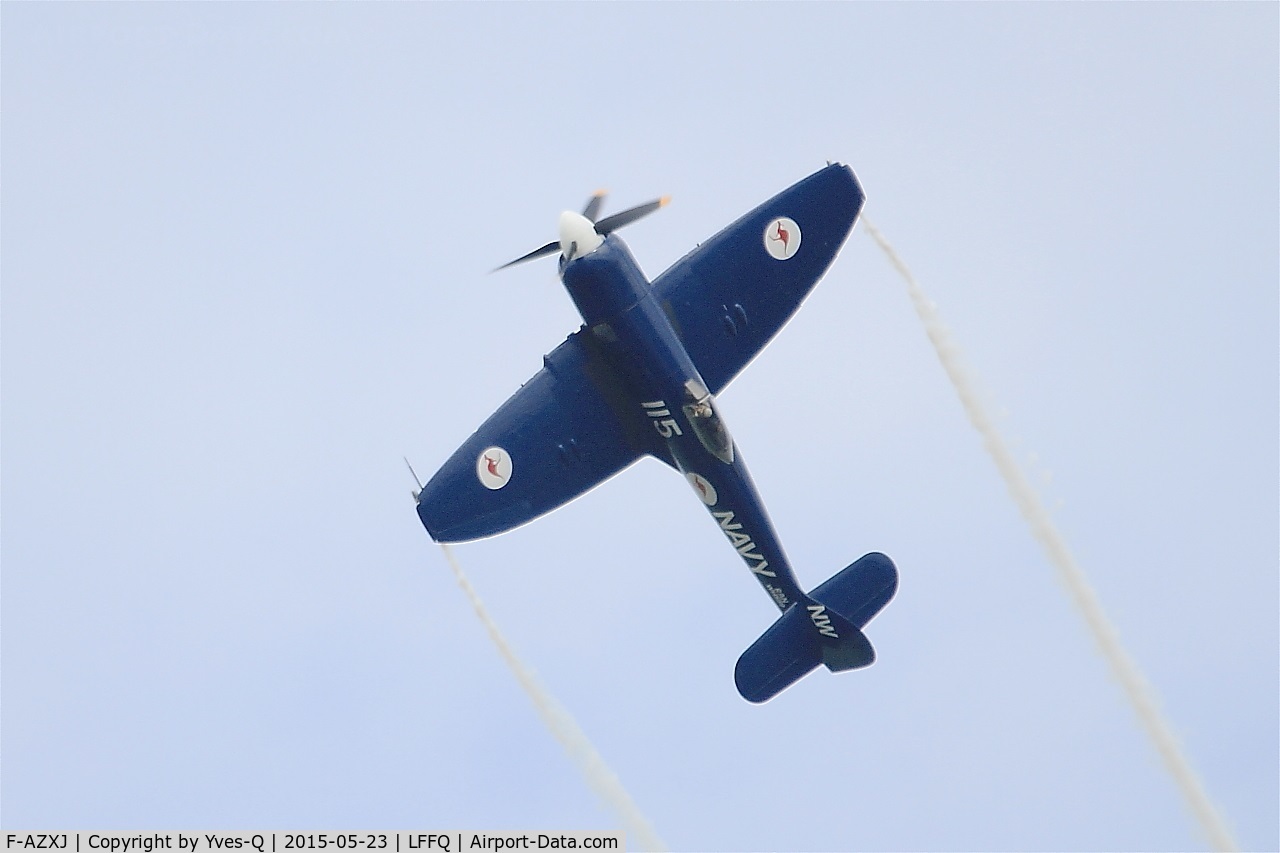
[244,257]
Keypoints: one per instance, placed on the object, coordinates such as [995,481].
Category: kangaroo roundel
[493,467]
[782,238]
[703,487]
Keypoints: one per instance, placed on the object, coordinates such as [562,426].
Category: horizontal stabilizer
[824,629]
[860,591]
[785,653]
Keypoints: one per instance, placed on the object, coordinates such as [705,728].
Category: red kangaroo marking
[701,486]
[492,465]
[784,235]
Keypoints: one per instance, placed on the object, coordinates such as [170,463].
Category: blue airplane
[640,379]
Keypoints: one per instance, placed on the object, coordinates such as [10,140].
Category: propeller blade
[585,234]
[626,217]
[553,246]
[592,210]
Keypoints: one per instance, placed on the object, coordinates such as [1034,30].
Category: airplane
[640,378]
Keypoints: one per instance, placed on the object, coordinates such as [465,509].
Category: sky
[244,255]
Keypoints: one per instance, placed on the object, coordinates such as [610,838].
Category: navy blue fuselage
[666,394]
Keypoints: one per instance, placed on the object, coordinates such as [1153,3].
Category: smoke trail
[1033,511]
[601,779]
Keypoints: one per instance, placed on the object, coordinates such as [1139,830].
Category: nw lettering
[822,621]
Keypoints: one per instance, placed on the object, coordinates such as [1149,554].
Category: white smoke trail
[1033,511]
[598,775]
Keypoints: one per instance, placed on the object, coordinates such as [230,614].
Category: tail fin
[825,628]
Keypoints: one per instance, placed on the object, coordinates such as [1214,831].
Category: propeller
[581,234]
[592,210]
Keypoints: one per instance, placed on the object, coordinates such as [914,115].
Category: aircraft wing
[730,296]
[557,437]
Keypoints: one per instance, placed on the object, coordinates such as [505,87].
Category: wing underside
[731,295]
[554,439]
